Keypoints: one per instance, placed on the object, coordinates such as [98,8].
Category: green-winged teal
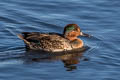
[54,42]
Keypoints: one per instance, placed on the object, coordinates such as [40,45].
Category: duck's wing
[45,41]
[28,36]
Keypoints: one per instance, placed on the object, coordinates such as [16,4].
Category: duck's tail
[22,37]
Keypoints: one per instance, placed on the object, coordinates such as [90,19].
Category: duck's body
[53,42]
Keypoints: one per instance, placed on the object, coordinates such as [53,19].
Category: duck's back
[45,41]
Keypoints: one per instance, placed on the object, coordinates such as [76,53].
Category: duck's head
[72,31]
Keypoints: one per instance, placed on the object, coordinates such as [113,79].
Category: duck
[54,42]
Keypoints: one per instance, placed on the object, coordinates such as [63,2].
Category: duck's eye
[68,29]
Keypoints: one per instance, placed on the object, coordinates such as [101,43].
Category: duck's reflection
[69,58]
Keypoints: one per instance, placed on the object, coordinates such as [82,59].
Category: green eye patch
[68,29]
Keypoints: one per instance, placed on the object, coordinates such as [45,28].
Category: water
[98,18]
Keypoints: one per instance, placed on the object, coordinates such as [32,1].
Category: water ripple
[97,18]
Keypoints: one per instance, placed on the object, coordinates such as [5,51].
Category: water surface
[98,18]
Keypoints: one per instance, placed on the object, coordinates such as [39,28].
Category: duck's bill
[84,34]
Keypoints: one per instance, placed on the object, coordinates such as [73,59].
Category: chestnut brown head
[71,31]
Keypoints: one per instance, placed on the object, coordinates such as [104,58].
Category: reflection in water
[69,58]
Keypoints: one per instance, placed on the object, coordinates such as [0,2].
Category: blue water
[99,18]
